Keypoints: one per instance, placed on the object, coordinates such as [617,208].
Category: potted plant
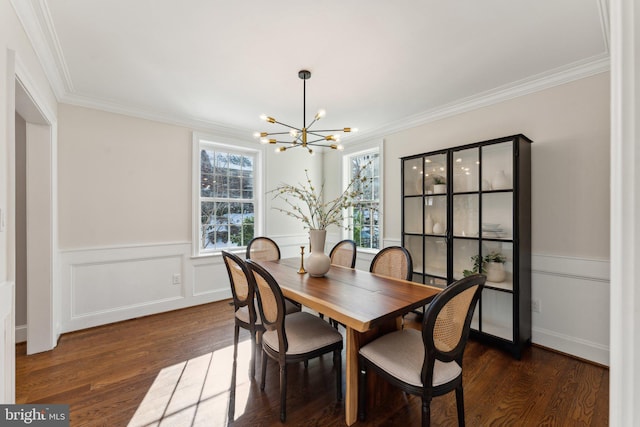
[492,265]
[439,185]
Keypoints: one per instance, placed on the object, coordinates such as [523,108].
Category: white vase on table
[317,263]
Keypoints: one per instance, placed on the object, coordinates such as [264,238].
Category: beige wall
[127,181]
[569,125]
[122,180]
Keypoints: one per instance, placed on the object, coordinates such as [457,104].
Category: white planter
[495,272]
[317,263]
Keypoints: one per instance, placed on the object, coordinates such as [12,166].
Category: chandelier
[303,137]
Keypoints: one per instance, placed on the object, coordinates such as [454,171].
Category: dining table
[364,302]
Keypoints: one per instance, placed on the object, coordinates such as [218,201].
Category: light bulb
[340,147]
[320,114]
[293,133]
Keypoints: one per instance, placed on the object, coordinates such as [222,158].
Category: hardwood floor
[174,369]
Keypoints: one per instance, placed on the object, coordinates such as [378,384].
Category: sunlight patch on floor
[196,392]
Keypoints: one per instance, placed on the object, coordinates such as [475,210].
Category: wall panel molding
[105,285]
[574,300]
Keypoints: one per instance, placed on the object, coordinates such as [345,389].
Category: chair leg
[232,392]
[236,333]
[252,366]
[460,405]
[426,411]
[362,393]
[283,392]
[264,369]
[337,363]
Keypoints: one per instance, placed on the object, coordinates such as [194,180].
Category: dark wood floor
[174,369]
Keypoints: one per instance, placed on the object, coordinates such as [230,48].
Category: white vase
[317,263]
[428,224]
[438,228]
[495,272]
[500,181]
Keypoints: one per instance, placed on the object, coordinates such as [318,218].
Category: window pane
[226,197]
[366,228]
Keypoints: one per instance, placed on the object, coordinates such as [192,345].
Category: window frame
[360,150]
[201,140]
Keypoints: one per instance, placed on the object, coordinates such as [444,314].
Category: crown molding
[36,20]
[559,76]
[196,124]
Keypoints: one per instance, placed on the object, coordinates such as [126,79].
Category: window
[365,226]
[227,196]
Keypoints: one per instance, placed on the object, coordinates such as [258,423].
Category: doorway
[34,231]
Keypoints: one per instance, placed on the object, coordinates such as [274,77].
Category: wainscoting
[107,285]
[574,306]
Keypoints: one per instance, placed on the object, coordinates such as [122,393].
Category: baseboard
[574,299]
[572,346]
[21,333]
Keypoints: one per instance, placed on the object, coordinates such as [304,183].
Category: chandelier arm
[289,126]
[277,133]
[315,141]
[312,122]
[328,130]
[317,134]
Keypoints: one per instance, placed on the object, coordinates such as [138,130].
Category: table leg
[351,377]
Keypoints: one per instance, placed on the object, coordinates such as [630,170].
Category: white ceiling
[377,65]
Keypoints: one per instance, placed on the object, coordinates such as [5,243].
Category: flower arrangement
[315,214]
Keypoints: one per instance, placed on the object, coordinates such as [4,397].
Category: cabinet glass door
[466,170]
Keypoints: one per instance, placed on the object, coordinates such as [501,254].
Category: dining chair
[263,249]
[344,253]
[393,261]
[302,337]
[243,295]
[426,363]
[242,292]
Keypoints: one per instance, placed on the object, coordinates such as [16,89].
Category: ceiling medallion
[304,136]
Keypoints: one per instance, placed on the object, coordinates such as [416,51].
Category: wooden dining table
[362,301]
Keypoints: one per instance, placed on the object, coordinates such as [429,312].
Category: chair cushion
[290,307]
[305,333]
[402,354]
[243,312]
